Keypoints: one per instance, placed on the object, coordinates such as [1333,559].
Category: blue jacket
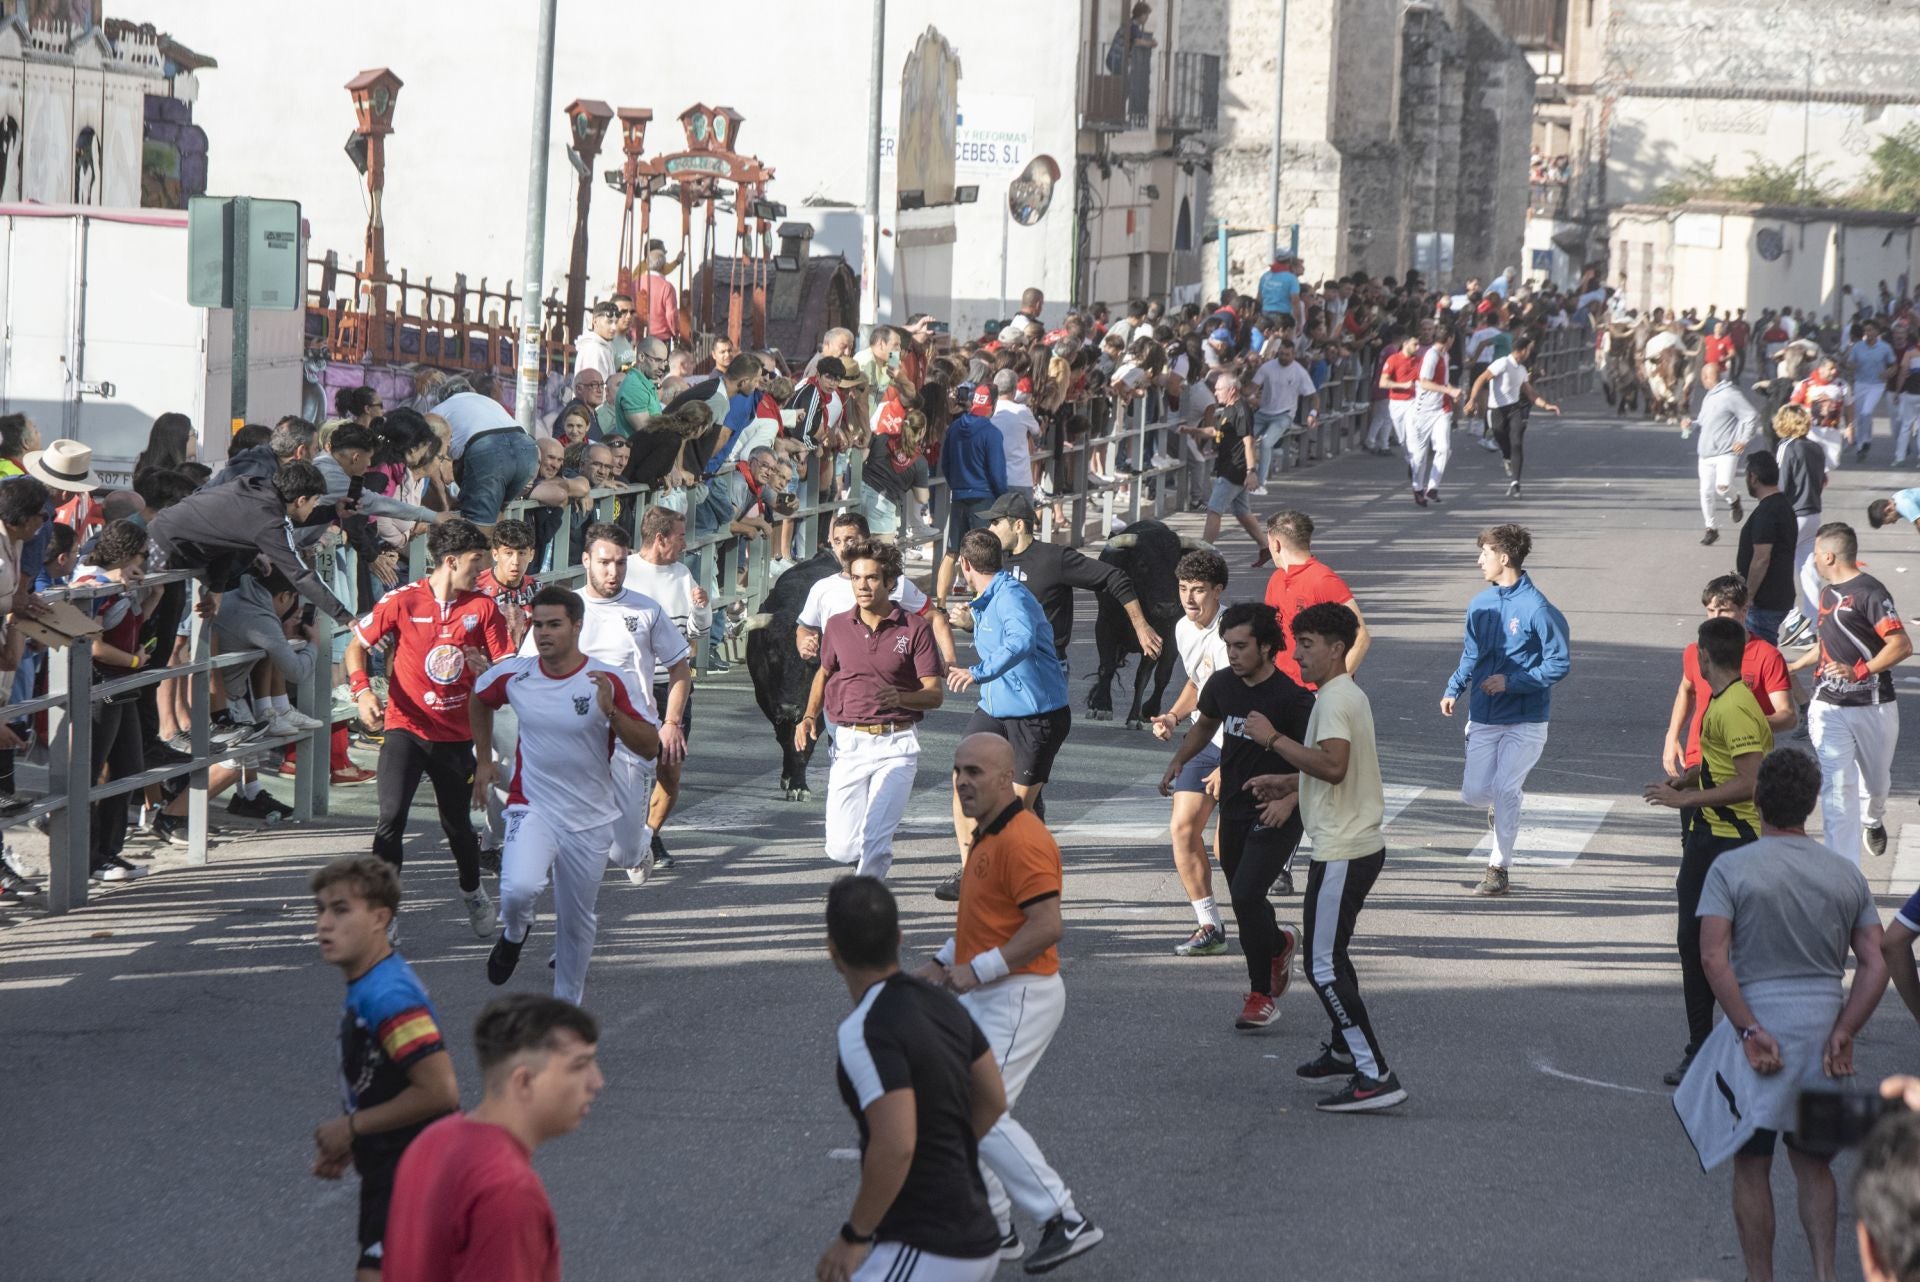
[1516,633]
[1019,673]
[973,458]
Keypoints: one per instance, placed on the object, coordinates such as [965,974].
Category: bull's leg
[1162,674]
[1139,689]
[793,765]
[1100,697]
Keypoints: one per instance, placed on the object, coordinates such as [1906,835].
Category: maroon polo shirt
[859,660]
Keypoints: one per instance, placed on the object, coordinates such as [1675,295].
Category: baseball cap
[981,402]
[1012,506]
[1221,335]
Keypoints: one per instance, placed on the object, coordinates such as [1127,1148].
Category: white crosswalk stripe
[1554,828]
[1905,877]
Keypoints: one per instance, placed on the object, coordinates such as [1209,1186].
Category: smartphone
[307,615]
[938,327]
[1828,1121]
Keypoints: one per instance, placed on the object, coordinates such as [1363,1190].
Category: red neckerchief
[753,486]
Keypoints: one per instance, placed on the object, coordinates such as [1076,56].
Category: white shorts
[898,1262]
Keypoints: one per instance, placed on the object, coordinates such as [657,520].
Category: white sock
[1206,912]
[278,704]
[249,788]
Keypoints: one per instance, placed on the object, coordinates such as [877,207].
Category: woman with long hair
[170,442]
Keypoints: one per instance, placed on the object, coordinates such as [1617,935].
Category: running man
[923,1087]
[879,675]
[1250,702]
[511,589]
[1829,399]
[658,571]
[1870,361]
[1300,580]
[632,634]
[562,805]
[1202,579]
[1517,648]
[1853,720]
[1719,793]
[1003,961]
[1726,424]
[1430,422]
[395,1075]
[1023,688]
[468,1203]
[1507,390]
[1343,807]
[444,632]
[1399,373]
[1761,667]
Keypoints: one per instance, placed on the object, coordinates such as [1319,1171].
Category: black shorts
[376,1191]
[1036,740]
[660,705]
[1760,1144]
[964,515]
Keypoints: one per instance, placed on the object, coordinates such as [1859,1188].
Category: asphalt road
[168,1050]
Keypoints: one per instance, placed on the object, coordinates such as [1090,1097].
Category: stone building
[1404,138]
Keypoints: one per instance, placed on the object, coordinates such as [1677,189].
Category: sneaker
[948,891]
[1283,962]
[171,829]
[1283,884]
[1258,1011]
[157,753]
[1876,835]
[490,859]
[1419,498]
[1513,489]
[1060,1241]
[1489,445]
[14,884]
[1010,1248]
[1737,510]
[504,957]
[1433,496]
[1710,538]
[273,808]
[1492,882]
[11,805]
[1674,1075]
[114,868]
[778,566]
[1331,1062]
[661,859]
[1795,630]
[1203,942]
[479,911]
[1257,492]
[717,665]
[251,808]
[296,721]
[348,775]
[181,743]
[1164,460]
[1364,1094]
[639,873]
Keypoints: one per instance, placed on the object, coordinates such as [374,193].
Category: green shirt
[1734,726]
[637,395]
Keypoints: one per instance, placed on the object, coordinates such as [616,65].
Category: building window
[1183,228]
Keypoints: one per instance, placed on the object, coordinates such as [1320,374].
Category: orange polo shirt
[1014,863]
[1291,591]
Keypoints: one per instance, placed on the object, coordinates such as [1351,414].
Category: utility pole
[870,247]
[532,348]
[1273,161]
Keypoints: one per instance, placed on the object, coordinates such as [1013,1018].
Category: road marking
[1540,1063]
[1554,828]
[1397,797]
[844,1154]
[1906,862]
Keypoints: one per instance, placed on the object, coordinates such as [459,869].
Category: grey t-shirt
[1794,905]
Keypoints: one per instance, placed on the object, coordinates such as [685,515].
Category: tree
[1893,182]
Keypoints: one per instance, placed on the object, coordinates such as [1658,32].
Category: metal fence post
[70,773]
[199,691]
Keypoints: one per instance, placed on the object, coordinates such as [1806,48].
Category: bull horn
[757,621]
[1121,542]
[1190,544]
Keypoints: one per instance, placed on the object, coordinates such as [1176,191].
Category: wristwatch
[852,1236]
[1748,1032]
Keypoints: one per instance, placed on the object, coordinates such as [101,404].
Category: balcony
[1534,24]
[1192,103]
[1113,102]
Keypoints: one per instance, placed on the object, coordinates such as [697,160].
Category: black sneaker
[14,884]
[1674,1075]
[114,868]
[661,859]
[490,859]
[1737,511]
[1364,1094]
[11,805]
[1877,839]
[717,665]
[948,891]
[249,808]
[1331,1062]
[171,829]
[1010,1248]
[156,753]
[275,809]
[504,957]
[1283,885]
[1060,1241]
[1710,538]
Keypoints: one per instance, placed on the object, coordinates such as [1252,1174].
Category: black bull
[1150,553]
[781,678]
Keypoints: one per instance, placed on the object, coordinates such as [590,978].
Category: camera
[1827,1121]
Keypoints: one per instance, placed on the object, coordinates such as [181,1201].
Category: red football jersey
[428,682]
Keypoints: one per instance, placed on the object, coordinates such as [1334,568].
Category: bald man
[1003,962]
[1724,425]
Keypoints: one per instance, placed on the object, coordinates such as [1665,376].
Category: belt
[882,727]
[477,437]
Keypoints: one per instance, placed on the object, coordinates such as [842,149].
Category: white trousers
[1855,747]
[1831,439]
[1804,575]
[1380,424]
[1866,399]
[1018,1016]
[1429,446]
[577,860]
[633,778]
[1716,483]
[868,785]
[1905,415]
[1498,759]
[1399,414]
[898,1262]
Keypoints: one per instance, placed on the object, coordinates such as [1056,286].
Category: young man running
[512,590]
[443,632]
[1516,650]
[1051,571]
[563,805]
[1507,389]
[1003,961]
[467,1202]
[1234,452]
[1300,580]
[1202,578]
[1853,720]
[923,1087]
[658,570]
[879,675]
[395,1074]
[1761,667]
[1399,378]
[1250,702]
[632,634]
[1430,423]
[1343,807]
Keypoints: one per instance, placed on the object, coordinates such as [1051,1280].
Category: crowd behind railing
[131,601]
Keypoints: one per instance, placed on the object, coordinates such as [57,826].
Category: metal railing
[1193,92]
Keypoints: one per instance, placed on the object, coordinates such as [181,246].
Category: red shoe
[350,774]
[1283,961]
[1419,498]
[1259,1012]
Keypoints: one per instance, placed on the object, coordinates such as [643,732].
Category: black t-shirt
[1229,700]
[1229,455]
[908,1035]
[1856,618]
[1772,524]
[1052,571]
[1803,470]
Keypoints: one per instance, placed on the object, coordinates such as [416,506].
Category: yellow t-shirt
[1344,818]
[1734,726]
